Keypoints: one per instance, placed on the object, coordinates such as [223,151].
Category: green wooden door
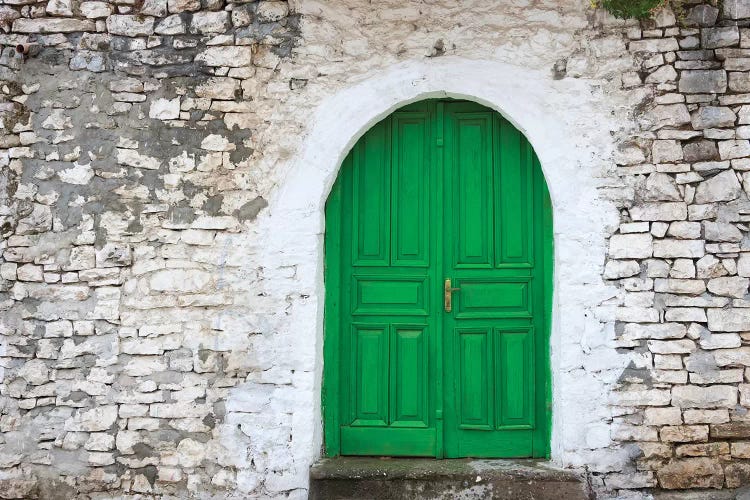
[440,190]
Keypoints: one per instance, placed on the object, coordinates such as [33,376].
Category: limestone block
[739,81]
[170,25]
[52,25]
[626,432]
[737,473]
[129,25]
[131,158]
[242,15]
[684,433]
[664,416]
[616,269]
[165,109]
[702,150]
[96,419]
[218,88]
[233,57]
[658,331]
[682,346]
[272,11]
[177,6]
[679,286]
[743,265]
[720,341]
[95,9]
[702,449]
[685,314]
[100,441]
[731,430]
[714,396]
[682,268]
[722,187]
[728,320]
[654,45]
[706,416]
[712,117]
[736,9]
[730,286]
[30,272]
[631,246]
[668,115]
[209,22]
[741,449]
[125,441]
[724,36]
[641,397]
[157,8]
[731,149]
[35,372]
[721,231]
[38,221]
[703,81]
[691,473]
[190,453]
[663,74]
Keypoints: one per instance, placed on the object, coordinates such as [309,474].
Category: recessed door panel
[409,384]
[389,295]
[411,215]
[514,369]
[472,187]
[370,374]
[475,380]
[371,221]
[494,298]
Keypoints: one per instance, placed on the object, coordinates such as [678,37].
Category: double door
[438,266]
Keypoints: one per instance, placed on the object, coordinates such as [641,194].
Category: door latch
[448,295]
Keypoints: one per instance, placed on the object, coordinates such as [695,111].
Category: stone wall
[160,304]
[681,257]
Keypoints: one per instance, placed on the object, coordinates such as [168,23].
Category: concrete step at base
[365,478]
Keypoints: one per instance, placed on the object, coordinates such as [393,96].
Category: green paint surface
[440,189]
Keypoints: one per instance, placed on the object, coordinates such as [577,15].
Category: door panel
[439,190]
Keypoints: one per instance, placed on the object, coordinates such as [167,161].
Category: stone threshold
[400,478]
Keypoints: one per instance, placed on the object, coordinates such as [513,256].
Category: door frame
[331,378]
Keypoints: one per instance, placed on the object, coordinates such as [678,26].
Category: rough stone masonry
[146,345]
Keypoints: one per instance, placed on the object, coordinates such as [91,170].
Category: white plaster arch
[568,124]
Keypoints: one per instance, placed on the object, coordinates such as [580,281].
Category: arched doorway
[438,271]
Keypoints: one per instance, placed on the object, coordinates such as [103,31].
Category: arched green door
[438,285]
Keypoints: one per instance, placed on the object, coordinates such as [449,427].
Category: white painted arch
[568,126]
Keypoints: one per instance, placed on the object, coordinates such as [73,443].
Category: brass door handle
[448,295]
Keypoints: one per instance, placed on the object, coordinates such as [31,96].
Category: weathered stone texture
[148,346]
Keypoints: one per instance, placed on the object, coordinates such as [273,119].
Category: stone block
[664,416]
[682,346]
[730,430]
[703,81]
[737,473]
[712,117]
[129,25]
[659,211]
[669,248]
[233,57]
[631,246]
[691,473]
[715,396]
[722,187]
[679,286]
[702,449]
[684,434]
[729,286]
[736,9]
[724,36]
[728,320]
